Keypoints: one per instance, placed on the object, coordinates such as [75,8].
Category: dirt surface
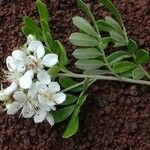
[116,115]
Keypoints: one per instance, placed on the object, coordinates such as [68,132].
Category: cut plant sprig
[41,85]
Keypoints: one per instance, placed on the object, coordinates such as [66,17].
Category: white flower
[16,65]
[27,102]
[38,61]
[6,93]
[16,62]
[25,81]
[43,114]
[49,91]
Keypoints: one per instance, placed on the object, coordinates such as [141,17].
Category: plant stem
[102,77]
[73,86]
[107,63]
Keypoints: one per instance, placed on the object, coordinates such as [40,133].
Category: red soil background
[116,115]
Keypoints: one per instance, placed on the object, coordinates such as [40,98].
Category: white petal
[20,65]
[14,107]
[54,86]
[32,91]
[30,38]
[12,88]
[29,74]
[40,52]
[41,87]
[43,77]
[39,116]
[60,97]
[10,64]
[17,54]
[50,60]
[42,99]
[37,47]
[8,104]
[27,112]
[19,96]
[50,119]
[25,81]
[51,104]
[44,107]
[3,96]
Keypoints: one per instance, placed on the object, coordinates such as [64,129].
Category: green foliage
[142,56]
[126,61]
[43,12]
[86,10]
[72,126]
[30,27]
[83,25]
[53,71]
[88,64]
[117,56]
[70,99]
[81,39]
[124,66]
[138,73]
[63,113]
[132,46]
[67,82]
[108,4]
[86,53]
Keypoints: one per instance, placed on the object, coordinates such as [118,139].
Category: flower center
[49,96]
[34,65]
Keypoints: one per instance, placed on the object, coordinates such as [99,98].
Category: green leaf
[45,26]
[88,64]
[123,66]
[117,37]
[63,113]
[109,5]
[86,53]
[81,39]
[29,22]
[83,25]
[138,73]
[47,39]
[132,46]
[120,44]
[70,100]
[72,126]
[106,41]
[96,72]
[86,10]
[114,24]
[103,26]
[66,82]
[80,102]
[142,56]
[127,74]
[86,84]
[53,71]
[63,60]
[56,48]
[43,12]
[117,56]
[27,30]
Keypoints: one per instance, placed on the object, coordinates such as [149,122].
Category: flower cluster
[31,92]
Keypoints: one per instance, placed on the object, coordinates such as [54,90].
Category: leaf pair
[114,29]
[31,27]
[141,56]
